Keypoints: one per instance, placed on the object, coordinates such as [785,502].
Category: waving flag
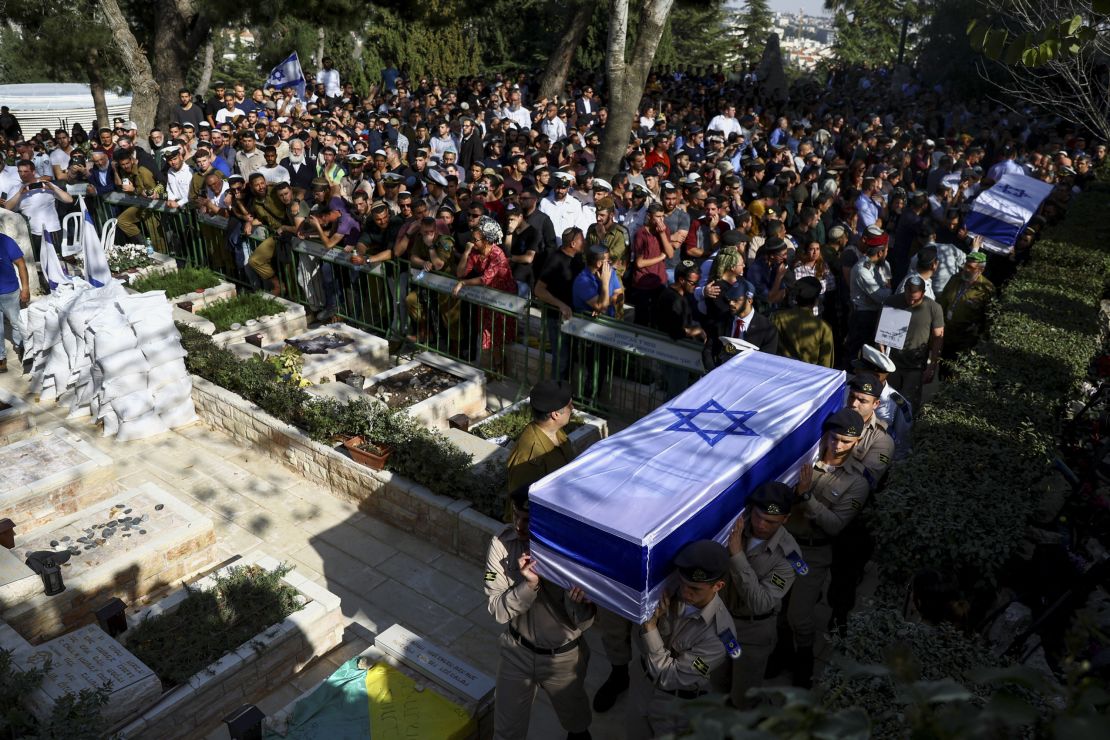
[612,520]
[96,262]
[51,265]
[288,73]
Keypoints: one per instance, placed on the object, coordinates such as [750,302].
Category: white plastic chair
[71,233]
[108,233]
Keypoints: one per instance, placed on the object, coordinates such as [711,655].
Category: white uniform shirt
[330,78]
[564,214]
[177,184]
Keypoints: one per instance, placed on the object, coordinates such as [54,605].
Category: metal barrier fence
[614,367]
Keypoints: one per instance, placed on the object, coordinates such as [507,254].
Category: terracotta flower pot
[374,458]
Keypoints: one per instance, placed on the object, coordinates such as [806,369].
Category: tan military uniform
[676,661]
[541,648]
[838,495]
[761,577]
[875,450]
[535,455]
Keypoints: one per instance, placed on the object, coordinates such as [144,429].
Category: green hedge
[178,282]
[962,500]
[420,454]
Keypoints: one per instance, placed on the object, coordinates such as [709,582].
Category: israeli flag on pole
[1000,214]
[51,265]
[96,262]
[288,74]
[612,520]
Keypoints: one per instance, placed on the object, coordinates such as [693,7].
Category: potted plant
[370,454]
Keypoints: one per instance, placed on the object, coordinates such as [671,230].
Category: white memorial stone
[437,664]
[88,658]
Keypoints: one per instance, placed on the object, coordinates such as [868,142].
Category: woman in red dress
[484,263]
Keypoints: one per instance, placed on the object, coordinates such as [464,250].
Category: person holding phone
[15,293]
[35,200]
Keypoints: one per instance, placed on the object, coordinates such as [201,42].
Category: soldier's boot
[614,686]
[802,673]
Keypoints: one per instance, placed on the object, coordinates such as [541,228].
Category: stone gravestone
[771,76]
[15,226]
[88,658]
[437,664]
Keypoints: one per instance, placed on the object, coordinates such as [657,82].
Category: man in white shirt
[59,158]
[179,178]
[9,180]
[272,171]
[35,200]
[726,122]
[516,112]
[329,76]
[552,125]
[564,212]
[231,112]
[1006,167]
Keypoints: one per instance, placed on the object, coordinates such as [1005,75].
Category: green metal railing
[614,367]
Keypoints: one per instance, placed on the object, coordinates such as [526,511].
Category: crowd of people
[787,224]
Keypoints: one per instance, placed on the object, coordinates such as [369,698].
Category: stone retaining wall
[450,524]
[256,669]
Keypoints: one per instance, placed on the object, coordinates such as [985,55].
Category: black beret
[519,498]
[550,395]
[846,421]
[703,561]
[772,497]
[807,289]
[866,383]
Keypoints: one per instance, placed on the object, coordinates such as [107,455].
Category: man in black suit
[586,105]
[470,144]
[301,166]
[741,322]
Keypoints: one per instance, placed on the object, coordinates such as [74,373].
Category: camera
[36,185]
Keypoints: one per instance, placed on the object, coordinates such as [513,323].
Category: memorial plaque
[88,658]
[435,663]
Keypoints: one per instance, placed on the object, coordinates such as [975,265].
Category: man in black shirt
[188,111]
[539,221]
[522,244]
[555,287]
[671,314]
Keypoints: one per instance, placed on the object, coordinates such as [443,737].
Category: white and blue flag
[1000,214]
[96,262]
[288,73]
[613,519]
[51,265]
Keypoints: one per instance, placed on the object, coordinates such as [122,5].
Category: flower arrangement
[123,257]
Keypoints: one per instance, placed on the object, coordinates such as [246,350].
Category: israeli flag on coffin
[1000,214]
[613,519]
[288,74]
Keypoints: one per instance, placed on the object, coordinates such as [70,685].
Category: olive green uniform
[875,450]
[128,221]
[675,665]
[760,578]
[838,495]
[542,647]
[965,312]
[616,240]
[803,336]
[535,455]
[273,214]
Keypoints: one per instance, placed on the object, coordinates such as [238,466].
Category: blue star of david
[1010,190]
[737,426]
[278,75]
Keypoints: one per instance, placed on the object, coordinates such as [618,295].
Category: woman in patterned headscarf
[484,263]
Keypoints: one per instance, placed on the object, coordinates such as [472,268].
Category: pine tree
[755,25]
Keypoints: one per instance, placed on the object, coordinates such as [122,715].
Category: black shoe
[19,352]
[584,735]
[614,686]
[802,672]
[3,366]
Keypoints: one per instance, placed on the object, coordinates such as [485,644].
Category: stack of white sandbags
[113,355]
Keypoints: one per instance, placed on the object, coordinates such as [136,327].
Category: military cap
[392,178]
[437,178]
[977,257]
[740,289]
[807,289]
[845,421]
[550,395]
[872,359]
[170,151]
[356,158]
[703,561]
[520,500]
[874,237]
[600,184]
[605,204]
[866,383]
[772,497]
[638,191]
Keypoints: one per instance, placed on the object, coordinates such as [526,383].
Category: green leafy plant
[210,623]
[998,414]
[289,365]
[512,424]
[178,283]
[239,310]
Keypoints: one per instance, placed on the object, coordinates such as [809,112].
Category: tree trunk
[318,60]
[96,87]
[628,75]
[558,66]
[206,69]
[144,90]
[179,34]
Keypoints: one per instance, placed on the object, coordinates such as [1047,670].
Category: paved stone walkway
[382,575]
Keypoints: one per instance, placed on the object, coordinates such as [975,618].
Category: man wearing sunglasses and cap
[685,640]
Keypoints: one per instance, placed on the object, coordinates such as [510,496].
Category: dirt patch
[412,386]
